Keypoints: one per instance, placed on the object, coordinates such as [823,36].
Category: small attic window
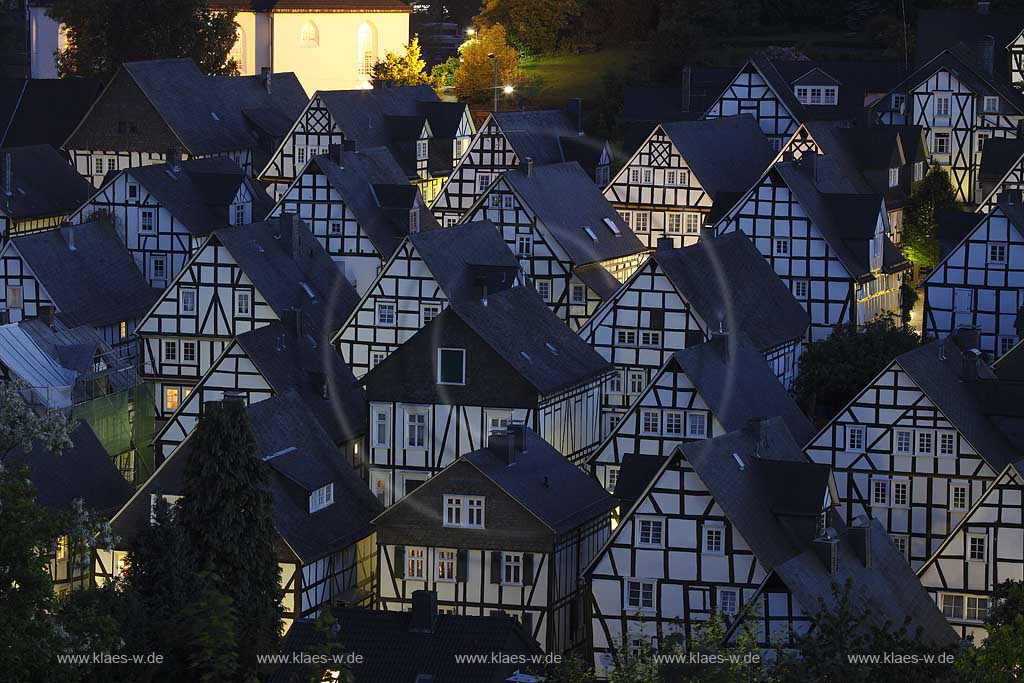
[309,291]
[214,116]
[551,348]
[614,228]
[590,233]
[321,498]
[525,355]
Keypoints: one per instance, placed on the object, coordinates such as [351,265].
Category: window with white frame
[674,423]
[416,429]
[625,337]
[693,223]
[170,347]
[925,443]
[696,424]
[414,220]
[997,253]
[465,512]
[451,366]
[940,143]
[650,532]
[512,569]
[335,228]
[855,438]
[381,431]
[942,104]
[188,351]
[713,539]
[648,176]
[614,385]
[670,177]
[965,607]
[637,381]
[377,357]
[801,288]
[602,174]
[830,94]
[990,105]
[415,563]
[612,421]
[880,492]
[483,180]
[674,223]
[147,220]
[728,601]
[977,548]
[386,313]
[300,155]
[422,150]
[898,100]
[321,498]
[158,267]
[900,493]
[947,442]
[1006,344]
[497,420]
[641,221]
[650,422]
[239,212]
[894,176]
[918,170]
[650,339]
[544,289]
[446,565]
[509,202]
[639,595]
[902,544]
[634,176]
[428,312]
[494,201]
[903,442]
[959,499]
[524,246]
[188,299]
[781,247]
[578,294]
[611,477]
[243,303]
[982,137]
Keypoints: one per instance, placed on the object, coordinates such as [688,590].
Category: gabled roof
[956,227]
[567,202]
[937,29]
[95,283]
[545,482]
[43,111]
[302,366]
[635,475]
[200,193]
[458,255]
[773,496]
[303,458]
[726,154]
[738,385]
[521,328]
[539,135]
[208,113]
[377,192]
[43,184]
[599,279]
[82,471]
[731,286]
[998,156]
[290,268]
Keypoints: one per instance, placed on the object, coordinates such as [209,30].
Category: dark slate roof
[300,366]
[731,286]
[998,156]
[97,283]
[395,653]
[937,29]
[599,279]
[44,184]
[456,256]
[846,220]
[937,368]
[369,181]
[774,500]
[546,483]
[208,113]
[635,475]
[521,328]
[953,226]
[539,135]
[290,268]
[200,193]
[43,111]
[303,458]
[82,471]
[738,385]
[726,154]
[659,103]
[566,201]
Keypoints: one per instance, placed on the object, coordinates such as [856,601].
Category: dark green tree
[534,26]
[226,514]
[834,370]
[932,196]
[103,34]
[1001,657]
[209,629]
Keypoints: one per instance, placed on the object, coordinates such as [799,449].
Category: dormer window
[422,150]
[321,498]
[451,366]
[239,215]
[894,177]
[464,511]
[817,94]
[990,105]
[898,100]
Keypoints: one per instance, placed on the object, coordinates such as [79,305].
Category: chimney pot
[348,145]
[859,535]
[334,153]
[424,611]
[526,166]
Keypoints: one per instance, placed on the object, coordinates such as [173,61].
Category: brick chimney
[424,611]
[509,443]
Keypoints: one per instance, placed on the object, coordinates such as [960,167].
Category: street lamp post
[491,56]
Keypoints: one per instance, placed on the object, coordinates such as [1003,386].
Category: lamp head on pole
[490,55]
[508,89]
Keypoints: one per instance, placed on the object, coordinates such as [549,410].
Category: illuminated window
[124,329]
[15,297]
[238,50]
[446,565]
[172,398]
[309,35]
[415,563]
[366,49]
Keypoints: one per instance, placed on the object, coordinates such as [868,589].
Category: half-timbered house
[509,138]
[273,360]
[241,279]
[980,282]
[682,297]
[79,273]
[427,271]
[164,211]
[683,169]
[321,509]
[150,107]
[885,160]
[700,392]
[574,248]
[427,137]
[508,527]
[828,243]
[783,94]
[38,189]
[959,105]
[359,205]
[732,526]
[478,365]
[919,446]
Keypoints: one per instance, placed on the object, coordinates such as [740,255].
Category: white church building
[328,44]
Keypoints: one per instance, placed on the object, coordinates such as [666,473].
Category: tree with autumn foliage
[533,25]
[474,80]
[403,69]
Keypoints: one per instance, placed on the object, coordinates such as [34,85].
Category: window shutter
[462,565]
[657,320]
[399,568]
[495,567]
[527,569]
[528,622]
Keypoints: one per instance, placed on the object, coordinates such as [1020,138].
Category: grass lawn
[555,78]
